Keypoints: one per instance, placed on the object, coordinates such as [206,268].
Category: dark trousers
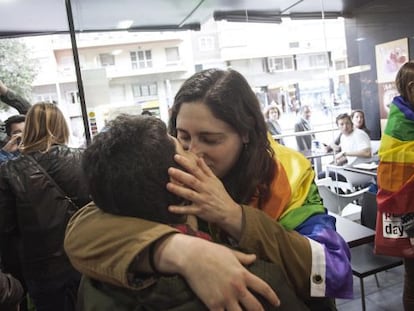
[408,295]
[56,294]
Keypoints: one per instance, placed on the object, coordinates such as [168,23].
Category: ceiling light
[252,16]
[125,24]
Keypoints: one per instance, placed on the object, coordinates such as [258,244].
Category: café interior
[100,58]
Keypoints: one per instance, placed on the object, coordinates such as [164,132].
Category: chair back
[333,201]
[356,179]
[369,210]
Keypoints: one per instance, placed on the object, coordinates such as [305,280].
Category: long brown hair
[404,81]
[45,126]
[230,98]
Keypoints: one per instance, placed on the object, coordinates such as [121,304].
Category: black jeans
[55,294]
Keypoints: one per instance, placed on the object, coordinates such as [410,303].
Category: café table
[371,172]
[353,233]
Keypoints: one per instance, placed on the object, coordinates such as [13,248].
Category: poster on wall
[386,92]
[390,56]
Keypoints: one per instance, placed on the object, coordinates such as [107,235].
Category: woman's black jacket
[33,212]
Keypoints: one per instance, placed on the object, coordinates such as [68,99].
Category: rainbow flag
[294,195]
[396,155]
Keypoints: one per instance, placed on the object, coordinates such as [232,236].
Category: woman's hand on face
[210,200]
[13,143]
[214,272]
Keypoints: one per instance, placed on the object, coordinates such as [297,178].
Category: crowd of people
[155,216]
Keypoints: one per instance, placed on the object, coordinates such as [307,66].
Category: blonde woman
[34,207]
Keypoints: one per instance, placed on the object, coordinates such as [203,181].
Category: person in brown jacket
[135,188]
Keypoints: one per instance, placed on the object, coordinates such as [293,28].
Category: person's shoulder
[298,124]
[361,133]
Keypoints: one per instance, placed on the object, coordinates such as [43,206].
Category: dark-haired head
[405,81]
[229,97]
[16,119]
[126,169]
[358,118]
[343,116]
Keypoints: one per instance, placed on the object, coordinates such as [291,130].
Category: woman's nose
[195,149]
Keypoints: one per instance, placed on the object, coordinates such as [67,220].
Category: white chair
[357,180]
[345,205]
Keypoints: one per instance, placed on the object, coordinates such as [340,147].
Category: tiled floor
[386,298]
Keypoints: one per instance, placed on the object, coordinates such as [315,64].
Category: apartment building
[135,71]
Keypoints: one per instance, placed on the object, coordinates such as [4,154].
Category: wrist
[170,253]
[232,224]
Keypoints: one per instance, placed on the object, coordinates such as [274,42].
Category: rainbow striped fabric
[294,195]
[396,154]
[295,203]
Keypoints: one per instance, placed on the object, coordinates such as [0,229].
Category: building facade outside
[291,63]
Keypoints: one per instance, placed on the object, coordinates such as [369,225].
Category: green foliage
[17,69]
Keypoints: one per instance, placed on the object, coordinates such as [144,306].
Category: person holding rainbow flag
[246,190]
[396,179]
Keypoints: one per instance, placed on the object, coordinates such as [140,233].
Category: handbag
[71,207]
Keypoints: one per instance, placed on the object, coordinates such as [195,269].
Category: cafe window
[141,59]
[49,97]
[107,59]
[280,63]
[312,61]
[143,90]
[206,43]
[172,54]
[73,97]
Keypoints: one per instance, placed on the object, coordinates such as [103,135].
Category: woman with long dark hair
[247,190]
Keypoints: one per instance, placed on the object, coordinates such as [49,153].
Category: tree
[17,69]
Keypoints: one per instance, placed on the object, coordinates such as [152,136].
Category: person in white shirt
[354,147]
[355,143]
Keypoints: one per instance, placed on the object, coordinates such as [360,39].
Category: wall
[371,29]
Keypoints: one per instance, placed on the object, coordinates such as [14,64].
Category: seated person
[127,175]
[358,120]
[354,144]
[354,147]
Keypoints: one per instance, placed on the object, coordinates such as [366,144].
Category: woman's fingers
[184,209]
[181,180]
[191,165]
[204,167]
[259,286]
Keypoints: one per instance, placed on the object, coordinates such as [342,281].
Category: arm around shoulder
[103,246]
[270,241]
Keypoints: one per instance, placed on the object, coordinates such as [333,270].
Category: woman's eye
[210,141]
[183,138]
